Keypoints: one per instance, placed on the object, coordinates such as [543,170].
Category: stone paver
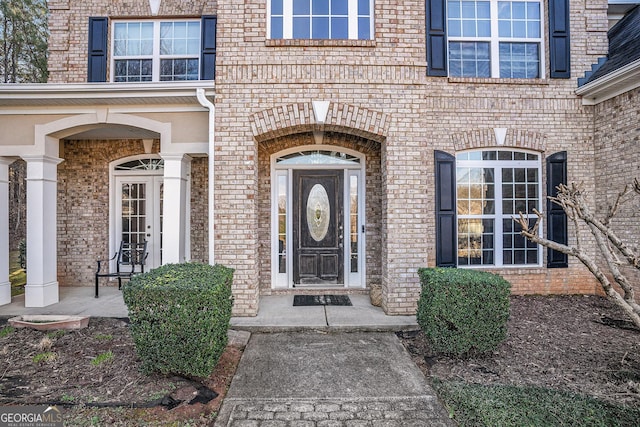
[355,379]
[377,412]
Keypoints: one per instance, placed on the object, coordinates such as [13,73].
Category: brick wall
[617,144]
[382,82]
[83,206]
[373,193]
[424,114]
[69,21]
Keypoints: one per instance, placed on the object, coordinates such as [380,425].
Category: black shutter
[559,43]
[97,65]
[208,57]
[446,240]
[556,217]
[436,17]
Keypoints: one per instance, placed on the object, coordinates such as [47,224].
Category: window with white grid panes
[156,51]
[493,38]
[320,19]
[493,187]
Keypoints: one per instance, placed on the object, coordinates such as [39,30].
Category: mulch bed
[70,375]
[582,344]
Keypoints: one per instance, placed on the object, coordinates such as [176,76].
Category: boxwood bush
[180,316]
[463,312]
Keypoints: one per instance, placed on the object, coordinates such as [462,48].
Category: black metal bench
[127,258]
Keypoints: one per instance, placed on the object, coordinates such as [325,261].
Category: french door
[138,214]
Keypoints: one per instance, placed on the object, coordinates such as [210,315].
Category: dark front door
[318,227]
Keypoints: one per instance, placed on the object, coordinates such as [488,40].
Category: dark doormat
[307,300]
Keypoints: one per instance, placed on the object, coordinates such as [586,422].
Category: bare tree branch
[573,202]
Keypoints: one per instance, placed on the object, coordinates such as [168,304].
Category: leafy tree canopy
[23,41]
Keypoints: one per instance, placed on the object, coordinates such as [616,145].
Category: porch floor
[276,312]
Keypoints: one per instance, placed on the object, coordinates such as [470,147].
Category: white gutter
[610,85]
[202,99]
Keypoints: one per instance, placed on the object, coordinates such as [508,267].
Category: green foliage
[502,406]
[102,358]
[47,356]
[58,333]
[104,337]
[463,312]
[17,274]
[6,331]
[180,316]
[23,41]
[67,398]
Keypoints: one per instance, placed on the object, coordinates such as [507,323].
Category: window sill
[318,43]
[487,80]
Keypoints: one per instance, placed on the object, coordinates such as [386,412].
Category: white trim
[285,280]
[26,111]
[498,216]
[70,94]
[155,56]
[5,284]
[352,17]
[611,85]
[494,39]
[115,176]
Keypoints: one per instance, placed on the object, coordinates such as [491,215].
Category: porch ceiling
[51,95]
[113,132]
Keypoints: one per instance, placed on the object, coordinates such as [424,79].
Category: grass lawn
[17,276]
[495,405]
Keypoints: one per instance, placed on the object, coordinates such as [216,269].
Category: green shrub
[463,312]
[180,316]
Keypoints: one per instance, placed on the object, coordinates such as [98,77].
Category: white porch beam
[175,198]
[5,284]
[41,289]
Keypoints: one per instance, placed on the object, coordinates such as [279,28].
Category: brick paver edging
[361,412]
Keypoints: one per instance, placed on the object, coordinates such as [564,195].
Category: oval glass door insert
[318,212]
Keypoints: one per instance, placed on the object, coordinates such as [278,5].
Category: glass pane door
[138,214]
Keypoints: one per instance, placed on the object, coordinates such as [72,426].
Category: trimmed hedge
[463,312]
[180,316]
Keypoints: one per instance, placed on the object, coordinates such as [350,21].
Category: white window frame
[494,40]
[155,56]
[287,20]
[498,216]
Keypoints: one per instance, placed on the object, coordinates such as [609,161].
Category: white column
[42,273]
[5,284]
[174,218]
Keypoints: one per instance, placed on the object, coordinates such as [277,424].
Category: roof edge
[610,85]
[84,91]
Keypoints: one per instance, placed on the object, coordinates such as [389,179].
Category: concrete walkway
[329,379]
[276,313]
[319,366]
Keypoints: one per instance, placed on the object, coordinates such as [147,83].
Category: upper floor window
[146,51]
[494,38]
[493,186]
[320,19]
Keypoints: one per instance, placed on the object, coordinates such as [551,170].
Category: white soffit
[611,85]
[85,94]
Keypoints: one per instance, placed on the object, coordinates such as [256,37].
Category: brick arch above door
[299,118]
